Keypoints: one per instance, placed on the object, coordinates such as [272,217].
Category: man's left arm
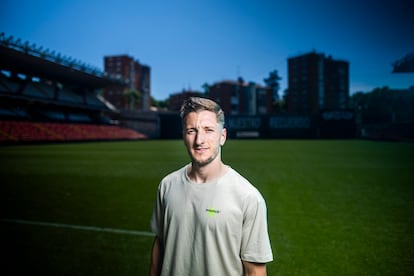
[254,269]
[255,247]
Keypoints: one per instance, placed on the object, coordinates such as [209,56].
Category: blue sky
[190,42]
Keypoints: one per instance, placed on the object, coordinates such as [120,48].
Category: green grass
[334,207]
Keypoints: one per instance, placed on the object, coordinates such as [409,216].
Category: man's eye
[190,131]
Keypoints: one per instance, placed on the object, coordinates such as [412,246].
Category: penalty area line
[81,227]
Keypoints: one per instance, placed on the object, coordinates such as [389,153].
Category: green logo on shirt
[212,212]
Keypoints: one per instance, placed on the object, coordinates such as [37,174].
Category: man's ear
[223,136]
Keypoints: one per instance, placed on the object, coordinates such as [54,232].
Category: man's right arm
[156,258]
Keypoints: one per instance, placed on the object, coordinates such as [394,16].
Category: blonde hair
[196,104]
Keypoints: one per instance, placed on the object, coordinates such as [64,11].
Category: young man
[208,219]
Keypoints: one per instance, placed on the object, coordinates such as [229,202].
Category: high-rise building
[136,95]
[315,83]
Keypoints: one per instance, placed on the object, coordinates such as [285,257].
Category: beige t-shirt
[209,228]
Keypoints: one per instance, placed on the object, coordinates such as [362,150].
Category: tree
[160,104]
[273,82]
[384,105]
[206,88]
[133,97]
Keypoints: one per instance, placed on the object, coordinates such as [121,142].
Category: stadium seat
[22,131]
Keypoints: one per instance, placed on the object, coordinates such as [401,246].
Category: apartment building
[137,94]
[242,98]
[316,83]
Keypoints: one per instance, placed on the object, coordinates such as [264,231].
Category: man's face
[203,136]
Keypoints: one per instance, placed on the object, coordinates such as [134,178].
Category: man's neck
[203,174]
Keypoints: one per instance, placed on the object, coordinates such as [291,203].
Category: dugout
[337,124]
[270,126]
[170,125]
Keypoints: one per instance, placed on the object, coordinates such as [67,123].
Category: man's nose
[200,137]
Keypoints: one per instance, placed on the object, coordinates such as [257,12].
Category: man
[208,219]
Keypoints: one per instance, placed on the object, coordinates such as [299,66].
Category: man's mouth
[200,150]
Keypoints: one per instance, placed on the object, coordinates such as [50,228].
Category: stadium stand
[47,98]
[22,131]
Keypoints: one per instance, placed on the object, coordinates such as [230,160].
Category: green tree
[160,104]
[384,105]
[273,82]
[133,97]
[206,88]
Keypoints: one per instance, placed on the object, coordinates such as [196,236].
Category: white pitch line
[81,227]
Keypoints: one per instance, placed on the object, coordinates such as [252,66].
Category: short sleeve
[157,214]
[255,245]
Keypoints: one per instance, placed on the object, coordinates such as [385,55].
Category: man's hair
[197,104]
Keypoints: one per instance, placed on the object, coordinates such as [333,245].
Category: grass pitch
[334,207]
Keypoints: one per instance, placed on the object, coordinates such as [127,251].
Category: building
[176,100]
[136,95]
[241,98]
[317,83]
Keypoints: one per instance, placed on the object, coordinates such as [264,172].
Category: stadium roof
[29,60]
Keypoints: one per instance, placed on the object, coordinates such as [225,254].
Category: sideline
[81,227]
